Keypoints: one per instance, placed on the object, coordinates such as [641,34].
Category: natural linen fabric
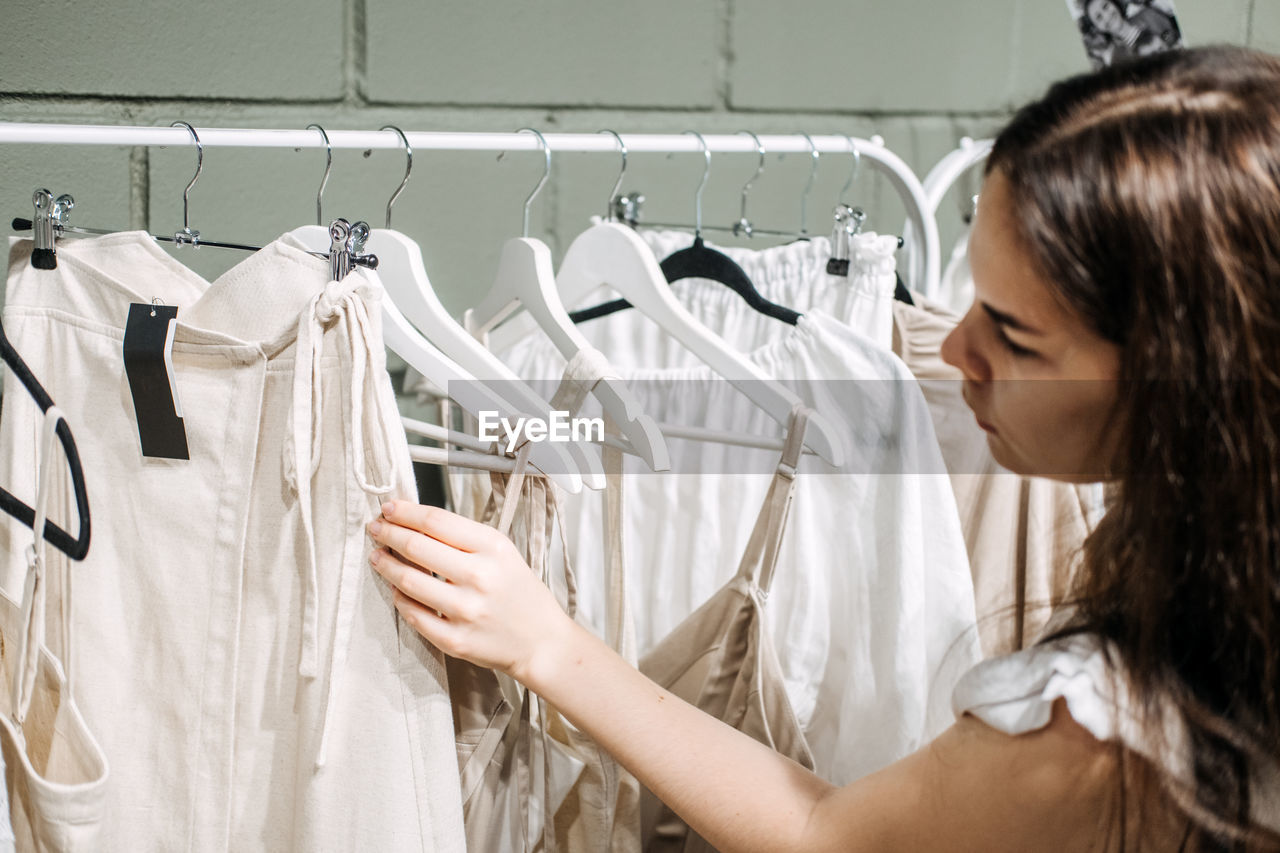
[1022,535]
[244,668]
[872,610]
[721,660]
[56,774]
[531,780]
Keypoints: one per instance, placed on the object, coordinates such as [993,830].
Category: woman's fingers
[426,551]
[413,582]
[459,531]
[438,631]
[486,606]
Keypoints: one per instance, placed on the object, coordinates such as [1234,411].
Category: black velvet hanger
[699,261]
[74,547]
[900,292]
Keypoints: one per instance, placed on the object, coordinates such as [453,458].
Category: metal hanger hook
[186,220]
[608,212]
[744,225]
[706,173]
[328,166]
[408,168]
[546,173]
[857,163]
[813,173]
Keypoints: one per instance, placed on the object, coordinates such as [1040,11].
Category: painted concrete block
[234,49]
[97,177]
[1265,28]
[856,56]
[1226,21]
[578,52]
[1046,48]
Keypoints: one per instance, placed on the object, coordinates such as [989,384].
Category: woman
[1126,258]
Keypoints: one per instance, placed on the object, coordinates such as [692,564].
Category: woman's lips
[964,394]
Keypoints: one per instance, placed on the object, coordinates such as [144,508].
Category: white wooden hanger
[473,396]
[404,276]
[613,254]
[944,174]
[526,279]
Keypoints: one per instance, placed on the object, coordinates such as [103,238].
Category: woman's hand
[484,604]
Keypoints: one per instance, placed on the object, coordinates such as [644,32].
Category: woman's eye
[1018,351]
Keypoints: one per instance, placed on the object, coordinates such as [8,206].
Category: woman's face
[1105,15]
[1039,380]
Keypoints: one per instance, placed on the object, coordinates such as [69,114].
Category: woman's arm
[972,789]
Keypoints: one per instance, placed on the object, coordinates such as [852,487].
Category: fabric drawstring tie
[345,305]
[36,586]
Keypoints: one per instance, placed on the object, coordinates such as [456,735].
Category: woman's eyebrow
[1007,320]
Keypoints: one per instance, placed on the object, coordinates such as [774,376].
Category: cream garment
[512,774]
[872,609]
[796,272]
[503,729]
[721,658]
[244,668]
[56,773]
[1024,535]
[955,289]
[1015,694]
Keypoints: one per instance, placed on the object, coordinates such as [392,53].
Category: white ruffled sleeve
[1015,693]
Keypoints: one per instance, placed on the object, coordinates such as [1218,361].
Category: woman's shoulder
[1073,688]
[1015,693]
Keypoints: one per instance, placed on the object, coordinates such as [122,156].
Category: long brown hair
[1149,195]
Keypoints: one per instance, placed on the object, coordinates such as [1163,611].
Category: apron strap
[620,632]
[35,585]
[761,555]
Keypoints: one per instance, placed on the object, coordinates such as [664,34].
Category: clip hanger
[346,240]
[46,224]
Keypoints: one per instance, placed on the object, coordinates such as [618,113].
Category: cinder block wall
[920,74]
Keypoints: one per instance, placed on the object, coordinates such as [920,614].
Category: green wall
[920,74]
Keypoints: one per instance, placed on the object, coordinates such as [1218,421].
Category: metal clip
[345,244]
[838,264]
[46,224]
[626,208]
[846,222]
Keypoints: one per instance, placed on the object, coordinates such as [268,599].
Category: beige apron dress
[56,773]
[241,664]
[721,658]
[519,760]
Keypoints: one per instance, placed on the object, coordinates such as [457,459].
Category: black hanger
[74,547]
[699,261]
[900,292]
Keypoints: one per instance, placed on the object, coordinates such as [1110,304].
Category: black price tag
[148,363]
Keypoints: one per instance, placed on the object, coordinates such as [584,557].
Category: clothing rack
[898,173]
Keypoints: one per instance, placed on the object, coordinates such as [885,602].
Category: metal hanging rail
[899,174]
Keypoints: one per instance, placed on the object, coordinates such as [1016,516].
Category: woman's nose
[957,351]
